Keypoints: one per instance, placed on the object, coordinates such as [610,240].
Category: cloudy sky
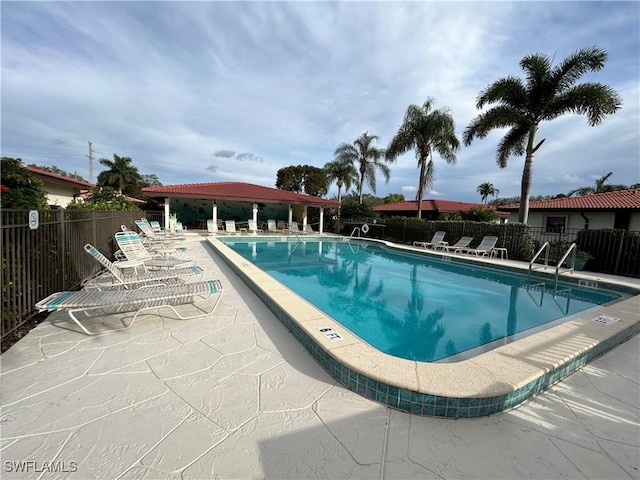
[201,92]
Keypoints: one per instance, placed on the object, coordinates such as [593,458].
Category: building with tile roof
[619,209]
[198,202]
[431,208]
[60,189]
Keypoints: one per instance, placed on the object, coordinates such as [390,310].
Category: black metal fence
[51,258]
[614,251]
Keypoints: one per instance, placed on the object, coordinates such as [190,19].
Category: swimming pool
[501,376]
[411,306]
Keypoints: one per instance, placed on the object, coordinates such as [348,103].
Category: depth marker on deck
[605,319]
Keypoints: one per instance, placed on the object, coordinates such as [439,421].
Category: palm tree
[368,159]
[425,130]
[547,94]
[121,174]
[599,188]
[487,190]
[343,173]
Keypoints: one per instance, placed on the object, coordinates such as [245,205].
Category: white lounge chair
[150,235]
[436,240]
[271,227]
[212,227]
[117,278]
[109,302]
[459,245]
[156,226]
[293,228]
[153,256]
[230,227]
[252,227]
[308,229]
[484,248]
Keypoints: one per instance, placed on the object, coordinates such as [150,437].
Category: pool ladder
[541,285]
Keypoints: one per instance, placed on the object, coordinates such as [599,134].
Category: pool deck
[235,395]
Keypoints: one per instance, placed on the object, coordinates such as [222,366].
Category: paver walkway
[235,395]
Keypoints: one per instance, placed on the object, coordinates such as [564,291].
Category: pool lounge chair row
[138,281]
[487,246]
[273,227]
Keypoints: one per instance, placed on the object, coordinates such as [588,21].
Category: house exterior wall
[597,220]
[59,195]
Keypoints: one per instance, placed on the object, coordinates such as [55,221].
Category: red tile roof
[236,191]
[60,178]
[619,200]
[429,205]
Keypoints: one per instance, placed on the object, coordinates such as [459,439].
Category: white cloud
[219,91]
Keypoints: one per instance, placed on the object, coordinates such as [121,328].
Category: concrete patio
[235,395]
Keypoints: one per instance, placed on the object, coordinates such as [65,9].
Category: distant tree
[425,130]
[363,155]
[21,189]
[150,180]
[290,178]
[303,179]
[487,190]
[547,94]
[121,174]
[479,215]
[103,198]
[58,171]
[352,208]
[315,182]
[343,173]
[394,198]
[599,187]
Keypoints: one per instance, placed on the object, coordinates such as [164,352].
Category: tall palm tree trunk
[527,175]
[423,172]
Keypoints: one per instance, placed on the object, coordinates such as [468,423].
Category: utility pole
[90,162]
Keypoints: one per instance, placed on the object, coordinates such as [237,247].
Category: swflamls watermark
[25,466]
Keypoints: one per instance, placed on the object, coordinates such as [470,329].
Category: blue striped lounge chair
[116,277]
[93,302]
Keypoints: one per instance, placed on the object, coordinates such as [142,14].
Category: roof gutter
[586,220]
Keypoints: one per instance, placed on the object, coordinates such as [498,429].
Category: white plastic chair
[436,240]
[484,248]
[271,226]
[230,227]
[253,227]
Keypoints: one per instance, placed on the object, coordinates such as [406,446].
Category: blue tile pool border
[420,403]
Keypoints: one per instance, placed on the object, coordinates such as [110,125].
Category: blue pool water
[409,305]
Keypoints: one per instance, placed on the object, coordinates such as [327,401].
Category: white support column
[214,213]
[255,212]
[321,219]
[167,208]
[290,214]
[304,218]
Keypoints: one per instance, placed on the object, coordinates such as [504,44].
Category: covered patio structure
[238,201]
